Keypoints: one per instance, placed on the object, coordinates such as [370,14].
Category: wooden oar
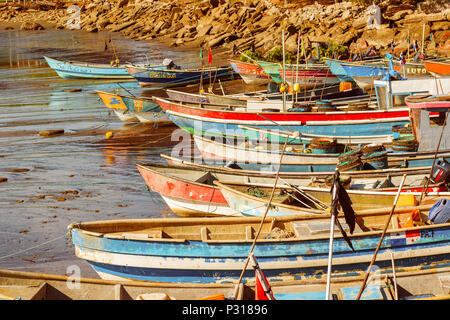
[262,221]
[363,286]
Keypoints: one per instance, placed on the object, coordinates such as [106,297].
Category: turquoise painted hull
[196,261]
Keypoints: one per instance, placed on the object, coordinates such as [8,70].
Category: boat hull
[211,261]
[205,121]
[69,70]
[250,73]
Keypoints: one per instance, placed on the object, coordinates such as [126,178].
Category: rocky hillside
[256,24]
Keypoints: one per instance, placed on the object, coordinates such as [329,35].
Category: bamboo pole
[262,220]
[363,286]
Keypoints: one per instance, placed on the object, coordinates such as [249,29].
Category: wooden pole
[330,248]
[296,67]
[363,286]
[262,220]
[284,73]
[423,36]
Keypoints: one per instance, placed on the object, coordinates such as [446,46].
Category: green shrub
[276,55]
[253,55]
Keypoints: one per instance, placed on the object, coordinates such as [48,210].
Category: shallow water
[79,176]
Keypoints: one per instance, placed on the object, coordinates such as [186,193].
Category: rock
[218,40]
[31,25]
[122,3]
[379,38]
[50,133]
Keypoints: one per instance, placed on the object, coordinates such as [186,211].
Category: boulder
[379,38]
[31,25]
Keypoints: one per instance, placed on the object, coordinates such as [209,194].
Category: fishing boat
[68,69]
[418,284]
[310,77]
[213,250]
[251,73]
[438,68]
[362,73]
[190,191]
[224,121]
[249,198]
[205,98]
[411,69]
[266,156]
[170,77]
[133,109]
[19,285]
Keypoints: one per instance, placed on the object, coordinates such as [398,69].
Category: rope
[34,247]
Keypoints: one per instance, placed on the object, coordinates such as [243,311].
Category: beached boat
[205,98]
[251,73]
[18,285]
[249,198]
[362,73]
[76,69]
[224,121]
[213,250]
[133,109]
[266,156]
[310,77]
[190,191]
[415,284]
[438,68]
[170,77]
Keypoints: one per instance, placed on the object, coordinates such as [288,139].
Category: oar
[262,221]
[289,129]
[363,286]
[118,83]
[305,194]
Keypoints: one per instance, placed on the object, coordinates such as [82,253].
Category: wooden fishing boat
[280,136]
[266,156]
[438,68]
[249,198]
[153,76]
[362,73]
[75,69]
[224,121]
[310,77]
[190,191]
[411,69]
[213,250]
[249,72]
[205,98]
[418,284]
[18,285]
[133,109]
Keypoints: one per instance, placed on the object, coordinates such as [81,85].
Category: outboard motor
[440,172]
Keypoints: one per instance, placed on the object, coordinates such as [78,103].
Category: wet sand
[80,175]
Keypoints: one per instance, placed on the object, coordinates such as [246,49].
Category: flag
[209,56]
[414,46]
[201,53]
[262,287]
[341,197]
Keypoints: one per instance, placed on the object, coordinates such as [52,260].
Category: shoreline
[237,26]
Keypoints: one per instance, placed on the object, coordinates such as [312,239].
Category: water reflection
[80,175]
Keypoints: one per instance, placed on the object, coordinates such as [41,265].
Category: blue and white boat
[69,69]
[170,77]
[214,250]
